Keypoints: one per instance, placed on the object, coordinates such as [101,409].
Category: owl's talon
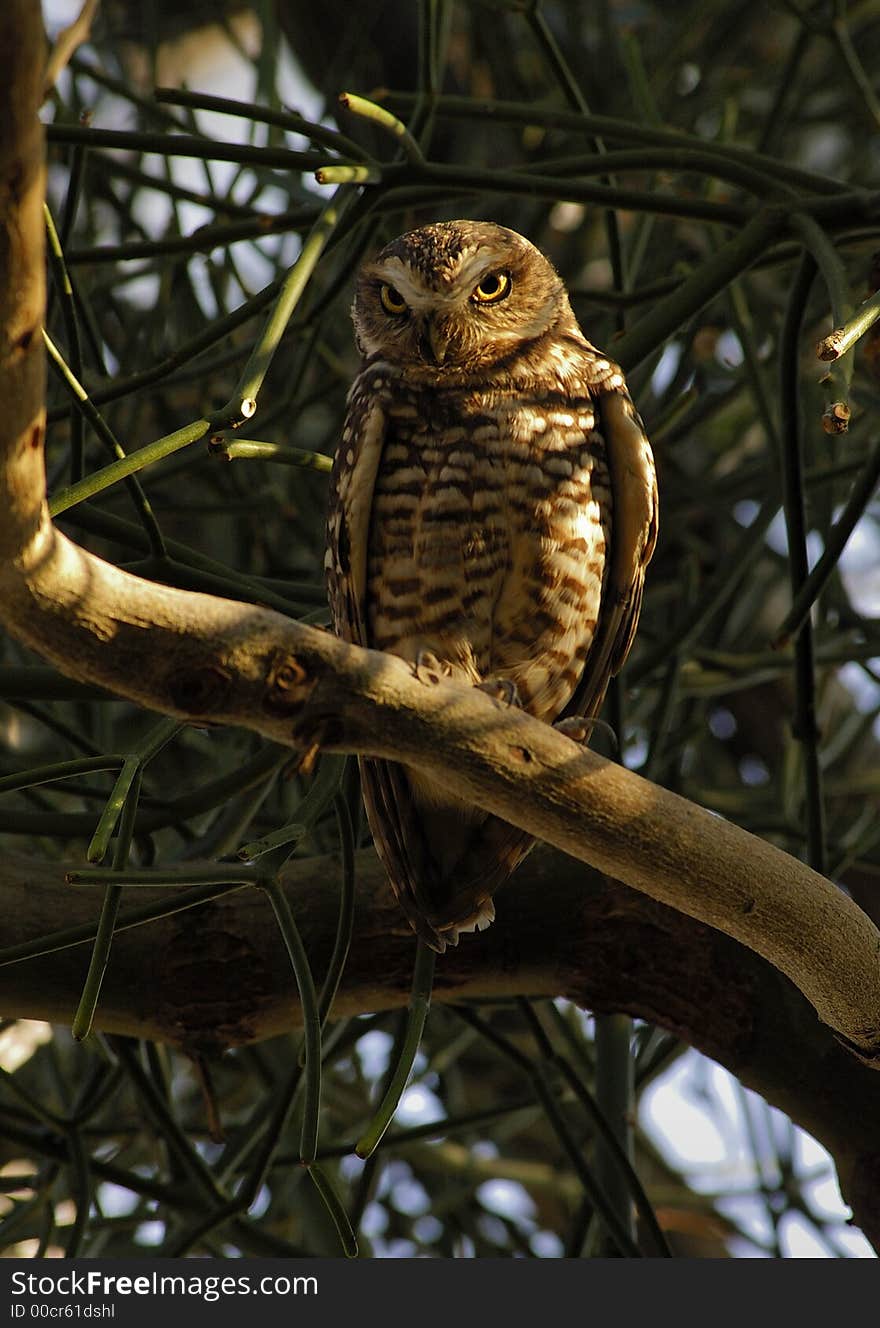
[575,727]
[428,668]
[581,730]
[501,689]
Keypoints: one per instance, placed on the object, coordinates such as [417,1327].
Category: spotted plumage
[493,508]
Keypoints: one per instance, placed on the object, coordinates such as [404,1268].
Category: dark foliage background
[171,260]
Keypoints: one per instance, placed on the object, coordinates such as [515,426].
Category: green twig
[836,380]
[134,762]
[64,288]
[323,790]
[54,941]
[349,174]
[615,1100]
[158,1111]
[379,116]
[47,774]
[87,409]
[410,183]
[292,121]
[345,925]
[419,1004]
[88,1001]
[805,726]
[254,450]
[185,145]
[843,338]
[728,262]
[337,1212]
[103,479]
[835,543]
[546,1096]
[311,1019]
[616,1148]
[230,875]
[617,130]
[243,403]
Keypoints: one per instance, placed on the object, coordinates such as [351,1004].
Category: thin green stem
[617,130]
[836,380]
[104,433]
[185,145]
[835,543]
[135,762]
[578,102]
[617,1149]
[161,878]
[805,727]
[103,479]
[256,114]
[683,160]
[219,234]
[718,591]
[255,450]
[383,119]
[187,350]
[311,1019]
[547,1098]
[839,29]
[81,1191]
[323,790]
[228,581]
[411,181]
[616,1101]
[728,262]
[48,774]
[419,1004]
[843,338]
[54,941]
[243,403]
[64,289]
[345,925]
[334,1207]
[159,1112]
[88,1001]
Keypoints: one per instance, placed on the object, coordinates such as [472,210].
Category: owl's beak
[435,342]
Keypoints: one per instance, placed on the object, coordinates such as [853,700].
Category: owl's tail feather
[444,866]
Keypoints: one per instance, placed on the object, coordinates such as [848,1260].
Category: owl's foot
[428,668]
[581,730]
[501,689]
[576,727]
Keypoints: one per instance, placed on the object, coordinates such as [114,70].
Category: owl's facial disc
[456,295]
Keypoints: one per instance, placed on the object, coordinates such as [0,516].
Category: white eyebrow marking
[472,266]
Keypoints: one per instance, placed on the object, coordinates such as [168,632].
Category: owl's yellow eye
[392,300]
[494,287]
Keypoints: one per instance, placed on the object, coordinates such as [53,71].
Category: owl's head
[457,295]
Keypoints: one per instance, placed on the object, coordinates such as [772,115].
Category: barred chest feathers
[488,535]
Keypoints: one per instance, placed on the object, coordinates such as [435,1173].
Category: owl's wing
[634,525]
[352,482]
[393,818]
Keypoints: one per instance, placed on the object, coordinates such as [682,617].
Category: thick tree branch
[204,658]
[220,974]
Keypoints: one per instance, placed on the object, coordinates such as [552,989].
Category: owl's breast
[489,523]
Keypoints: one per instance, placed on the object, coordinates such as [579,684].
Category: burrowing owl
[493,508]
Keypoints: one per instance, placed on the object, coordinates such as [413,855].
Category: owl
[493,508]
